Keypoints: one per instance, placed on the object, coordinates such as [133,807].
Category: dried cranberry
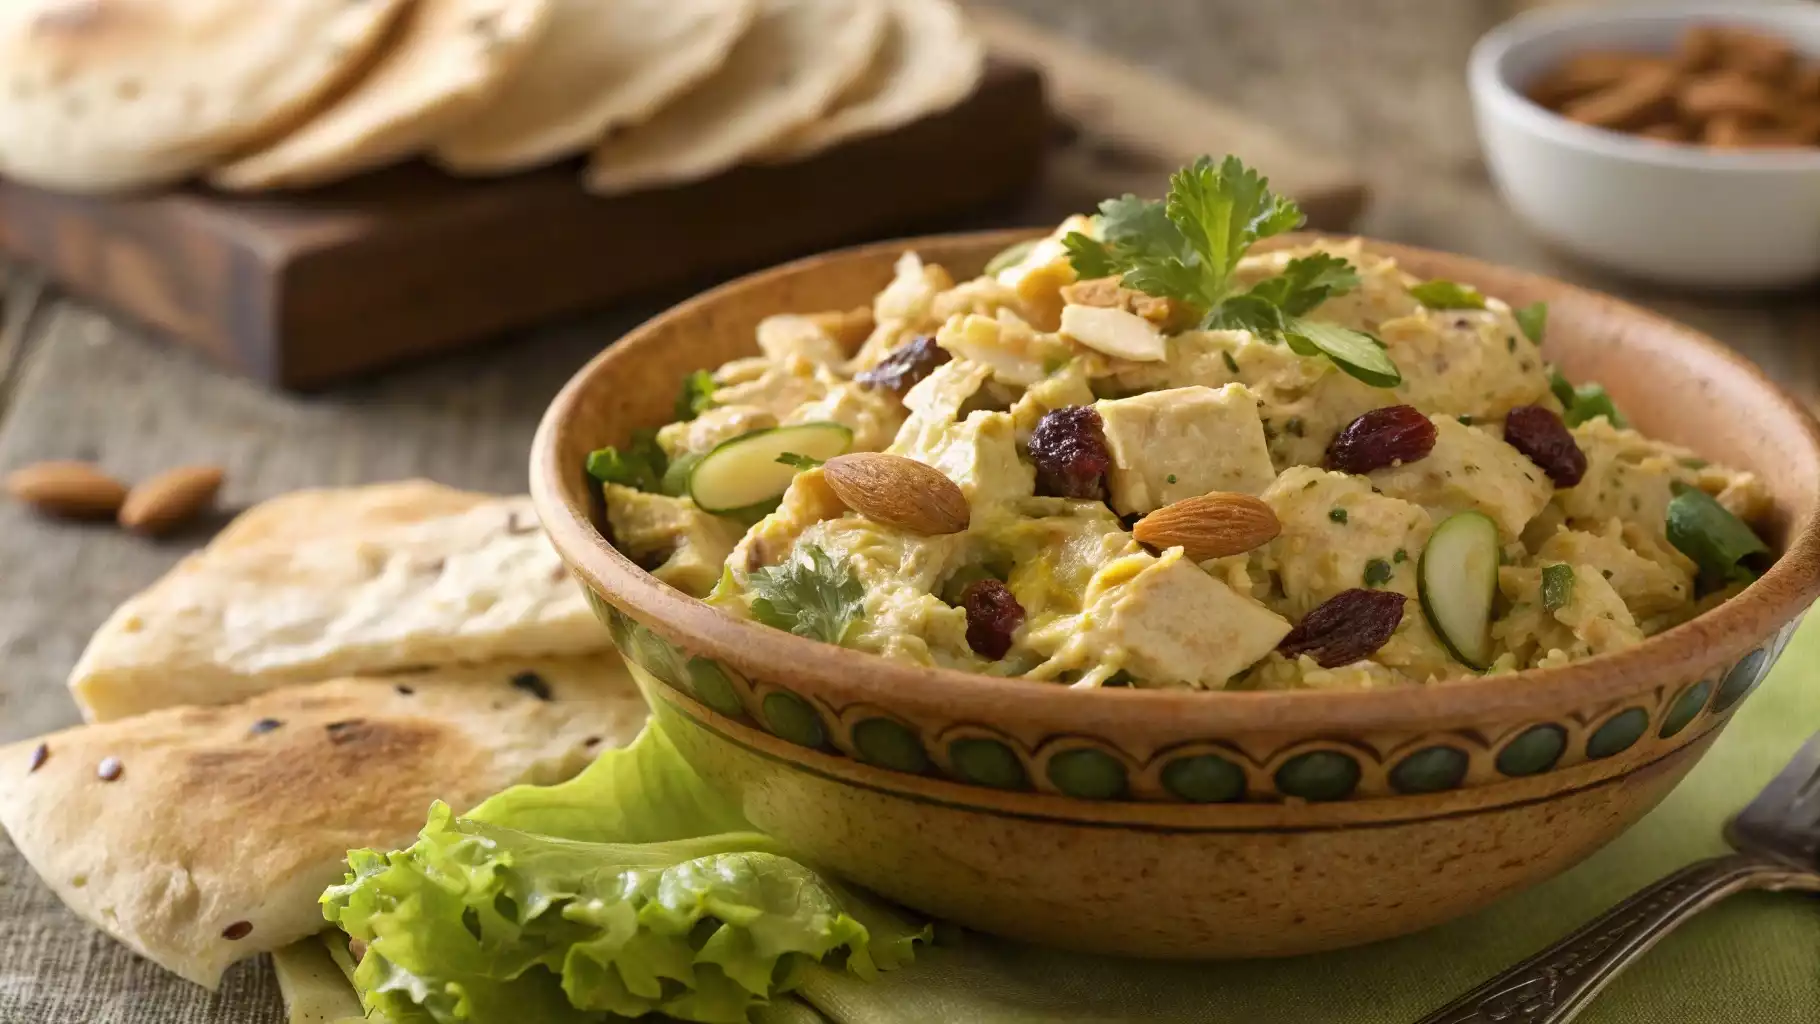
[904,365]
[1540,435]
[993,614]
[1382,437]
[1069,449]
[1346,627]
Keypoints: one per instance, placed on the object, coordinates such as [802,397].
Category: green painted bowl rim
[1732,387]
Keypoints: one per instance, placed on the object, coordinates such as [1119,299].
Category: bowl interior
[1673,383]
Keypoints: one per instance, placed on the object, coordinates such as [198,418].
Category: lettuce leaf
[629,890]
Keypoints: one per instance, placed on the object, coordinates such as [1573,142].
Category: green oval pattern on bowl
[714,687]
[1204,779]
[1685,708]
[790,717]
[1093,773]
[1618,734]
[985,762]
[1430,770]
[888,743]
[1088,774]
[1535,750]
[1741,680]
[1319,775]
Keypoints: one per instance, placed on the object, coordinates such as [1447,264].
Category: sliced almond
[170,499]
[72,490]
[1166,313]
[898,492]
[1210,526]
[1115,332]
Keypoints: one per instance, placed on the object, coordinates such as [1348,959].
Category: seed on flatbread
[446,61]
[108,95]
[930,61]
[796,59]
[40,754]
[597,67]
[109,769]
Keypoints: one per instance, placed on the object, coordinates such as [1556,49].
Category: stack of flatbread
[108,95]
[308,684]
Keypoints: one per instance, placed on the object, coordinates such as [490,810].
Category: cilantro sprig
[810,595]
[640,466]
[696,397]
[1188,246]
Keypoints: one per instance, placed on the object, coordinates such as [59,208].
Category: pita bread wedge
[599,65]
[444,62]
[334,583]
[103,95]
[201,836]
[796,59]
[931,60]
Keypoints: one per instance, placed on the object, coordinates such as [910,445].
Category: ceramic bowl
[1187,824]
[1678,214]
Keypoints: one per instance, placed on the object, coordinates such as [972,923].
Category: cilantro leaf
[799,461]
[810,595]
[1533,319]
[697,396]
[1360,355]
[1306,282]
[1448,295]
[641,466]
[1138,241]
[1222,211]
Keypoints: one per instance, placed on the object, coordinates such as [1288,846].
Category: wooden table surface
[1379,81]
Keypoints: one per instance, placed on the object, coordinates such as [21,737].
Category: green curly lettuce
[617,906]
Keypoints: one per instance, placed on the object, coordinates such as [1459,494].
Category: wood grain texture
[303,289]
[1377,83]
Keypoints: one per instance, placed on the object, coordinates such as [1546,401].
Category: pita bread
[221,829]
[443,63]
[931,60]
[301,590]
[599,65]
[100,95]
[796,59]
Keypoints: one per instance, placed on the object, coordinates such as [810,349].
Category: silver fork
[1777,839]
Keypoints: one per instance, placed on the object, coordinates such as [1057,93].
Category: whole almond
[170,499]
[898,492]
[71,490]
[1210,526]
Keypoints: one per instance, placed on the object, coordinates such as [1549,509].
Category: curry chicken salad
[1132,454]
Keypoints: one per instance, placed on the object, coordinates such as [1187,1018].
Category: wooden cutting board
[302,290]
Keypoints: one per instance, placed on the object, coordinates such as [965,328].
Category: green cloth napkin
[1755,959]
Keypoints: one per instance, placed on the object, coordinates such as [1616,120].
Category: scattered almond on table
[170,499]
[67,489]
[1723,87]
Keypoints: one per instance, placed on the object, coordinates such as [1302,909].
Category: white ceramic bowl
[1672,213]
